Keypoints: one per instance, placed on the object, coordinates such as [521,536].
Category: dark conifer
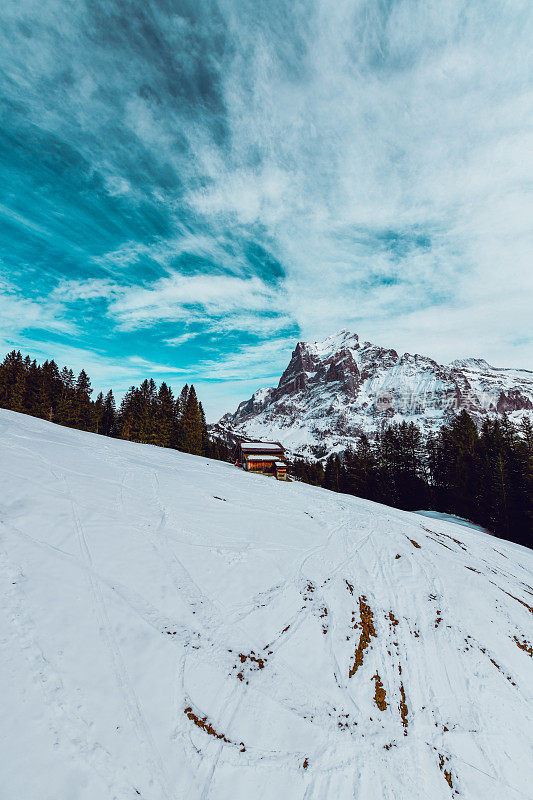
[83,400]
[206,442]
[192,425]
[98,410]
[108,422]
[166,421]
[332,473]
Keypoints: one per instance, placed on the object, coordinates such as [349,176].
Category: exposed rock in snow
[286,642]
[334,389]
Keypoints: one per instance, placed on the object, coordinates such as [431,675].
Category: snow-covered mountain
[173,627]
[334,389]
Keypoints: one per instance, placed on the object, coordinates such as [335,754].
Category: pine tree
[33,394]
[458,471]
[98,410]
[128,415]
[108,421]
[526,432]
[181,405]
[182,400]
[83,401]
[332,473]
[166,421]
[66,411]
[12,381]
[49,389]
[206,442]
[192,425]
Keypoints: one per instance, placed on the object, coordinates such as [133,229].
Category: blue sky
[188,188]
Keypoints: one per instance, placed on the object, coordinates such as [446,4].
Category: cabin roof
[280,464]
[246,446]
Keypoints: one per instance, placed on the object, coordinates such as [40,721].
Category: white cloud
[266,360]
[70,291]
[176,298]
[177,341]
[18,314]
[409,117]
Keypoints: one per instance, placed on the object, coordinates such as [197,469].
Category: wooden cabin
[266,457]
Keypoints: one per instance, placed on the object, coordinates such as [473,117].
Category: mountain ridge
[338,387]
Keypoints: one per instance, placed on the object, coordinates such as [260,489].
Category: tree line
[484,475]
[147,413]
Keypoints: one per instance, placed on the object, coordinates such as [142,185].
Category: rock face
[335,389]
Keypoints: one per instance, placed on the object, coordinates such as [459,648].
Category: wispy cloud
[265,360]
[19,313]
[177,341]
[71,291]
[200,298]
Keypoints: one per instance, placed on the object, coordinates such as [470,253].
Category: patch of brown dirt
[404,711]
[367,631]
[447,773]
[525,646]
[253,659]
[415,544]
[379,693]
[203,724]
[393,619]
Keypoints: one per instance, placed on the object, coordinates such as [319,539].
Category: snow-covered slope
[334,389]
[175,628]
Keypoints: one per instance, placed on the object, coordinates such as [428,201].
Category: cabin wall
[260,466]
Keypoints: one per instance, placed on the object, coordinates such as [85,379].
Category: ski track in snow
[174,627]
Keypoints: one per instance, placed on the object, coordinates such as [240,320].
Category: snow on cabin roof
[260,457]
[280,464]
[261,446]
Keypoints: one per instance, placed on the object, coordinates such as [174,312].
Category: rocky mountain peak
[336,388]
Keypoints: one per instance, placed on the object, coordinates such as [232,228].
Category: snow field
[173,627]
